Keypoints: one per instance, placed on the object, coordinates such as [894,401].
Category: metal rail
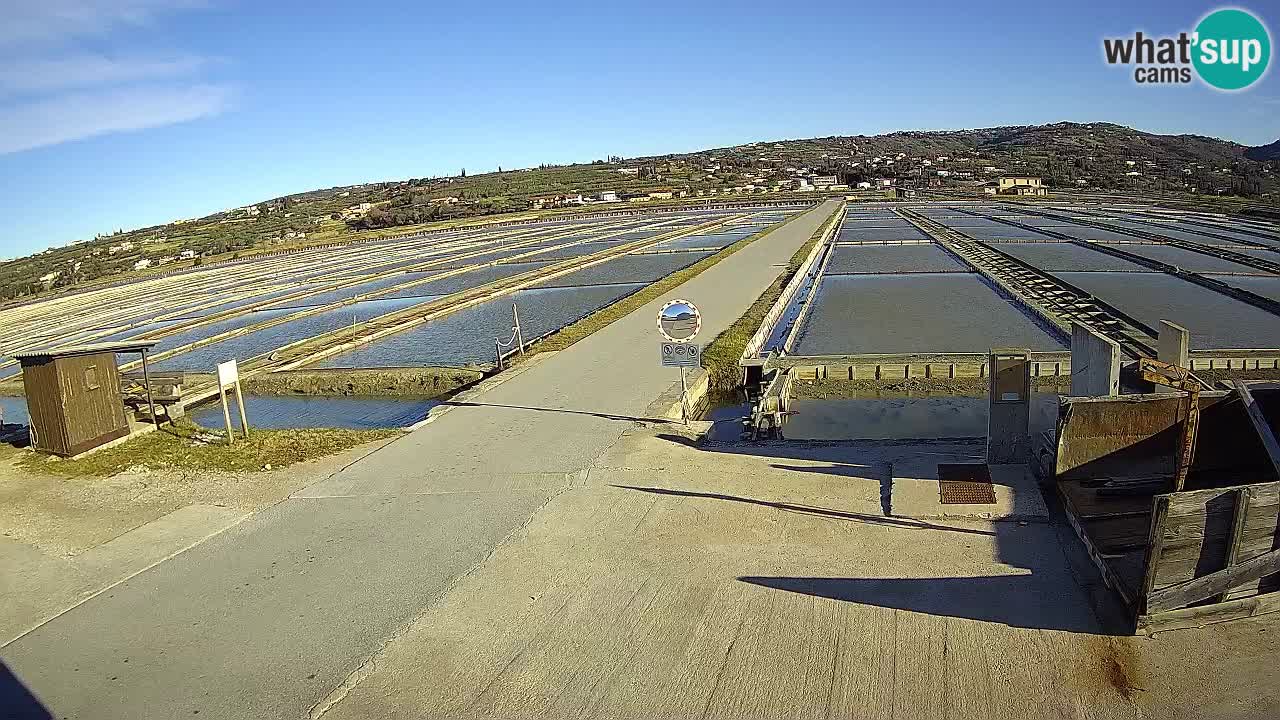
[1053,299]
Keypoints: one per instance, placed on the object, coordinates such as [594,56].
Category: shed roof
[93,349]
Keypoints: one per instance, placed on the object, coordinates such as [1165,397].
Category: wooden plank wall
[91,413]
[44,406]
[1206,530]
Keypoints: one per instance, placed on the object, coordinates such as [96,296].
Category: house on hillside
[1020,185]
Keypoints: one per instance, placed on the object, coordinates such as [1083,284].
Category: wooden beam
[1155,543]
[1203,615]
[1269,442]
[1183,594]
[1238,511]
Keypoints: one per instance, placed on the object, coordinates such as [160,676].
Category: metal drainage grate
[964,484]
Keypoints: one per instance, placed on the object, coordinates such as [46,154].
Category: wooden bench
[166,393]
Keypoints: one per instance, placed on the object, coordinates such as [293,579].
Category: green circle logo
[1232,49]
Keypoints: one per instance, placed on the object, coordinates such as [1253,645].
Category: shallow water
[467,336]
[13,410]
[892,259]
[1216,322]
[243,347]
[1067,256]
[360,413]
[915,313]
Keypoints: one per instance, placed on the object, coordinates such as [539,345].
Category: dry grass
[187,446]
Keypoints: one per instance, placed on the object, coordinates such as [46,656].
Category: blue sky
[126,113]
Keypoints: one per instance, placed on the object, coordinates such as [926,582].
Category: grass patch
[187,446]
[574,332]
[720,357]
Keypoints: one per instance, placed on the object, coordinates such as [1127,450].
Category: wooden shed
[74,397]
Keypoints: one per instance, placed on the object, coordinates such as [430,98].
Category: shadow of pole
[902,523]
[606,416]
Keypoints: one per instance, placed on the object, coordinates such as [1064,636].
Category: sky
[117,114]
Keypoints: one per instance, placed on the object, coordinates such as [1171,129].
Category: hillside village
[1096,157]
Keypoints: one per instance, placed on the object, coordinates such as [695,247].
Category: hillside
[1093,156]
[1264,153]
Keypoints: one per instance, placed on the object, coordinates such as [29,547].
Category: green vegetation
[720,358]
[574,332]
[187,446]
[1092,157]
[424,382]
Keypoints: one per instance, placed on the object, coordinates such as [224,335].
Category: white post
[684,399]
[515,317]
[244,420]
[226,415]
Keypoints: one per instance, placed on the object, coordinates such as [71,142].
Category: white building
[142,264]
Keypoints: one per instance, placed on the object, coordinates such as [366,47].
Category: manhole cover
[965,484]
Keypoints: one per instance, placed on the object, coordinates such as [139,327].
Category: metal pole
[515,316]
[684,399]
[497,350]
[146,378]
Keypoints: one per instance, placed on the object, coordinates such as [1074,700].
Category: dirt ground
[67,516]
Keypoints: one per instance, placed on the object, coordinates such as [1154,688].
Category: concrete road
[765,581]
[274,617]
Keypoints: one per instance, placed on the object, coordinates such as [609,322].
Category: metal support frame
[146,378]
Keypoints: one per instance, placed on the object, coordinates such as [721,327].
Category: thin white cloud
[76,116]
[87,71]
[44,21]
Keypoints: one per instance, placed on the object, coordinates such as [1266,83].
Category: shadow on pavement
[16,701]
[606,416]
[903,523]
[1014,600]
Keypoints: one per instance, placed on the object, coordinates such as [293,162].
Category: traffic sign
[679,321]
[681,355]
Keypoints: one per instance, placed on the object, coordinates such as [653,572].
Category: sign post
[679,322]
[229,379]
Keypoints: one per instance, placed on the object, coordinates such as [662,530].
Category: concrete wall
[1095,363]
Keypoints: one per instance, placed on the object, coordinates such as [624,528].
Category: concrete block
[1008,424]
[1174,344]
[1095,363]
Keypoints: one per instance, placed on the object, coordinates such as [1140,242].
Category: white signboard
[681,354]
[679,321]
[228,373]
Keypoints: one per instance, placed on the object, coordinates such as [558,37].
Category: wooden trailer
[1177,558]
